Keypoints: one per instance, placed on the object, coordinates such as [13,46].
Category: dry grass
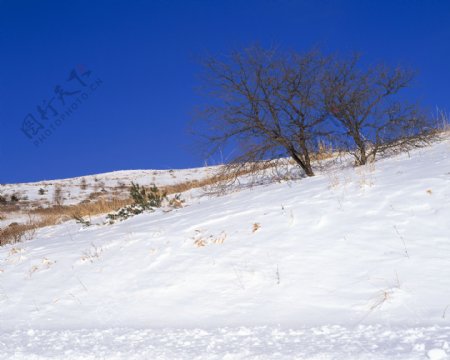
[442,122]
[325,151]
[366,175]
[201,240]
[6,208]
[61,213]
[220,177]
[42,217]
[92,254]
[17,232]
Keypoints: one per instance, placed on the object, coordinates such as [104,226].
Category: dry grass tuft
[42,217]
[201,240]
[17,232]
[57,214]
[220,177]
[324,151]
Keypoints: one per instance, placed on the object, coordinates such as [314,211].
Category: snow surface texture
[326,342]
[350,264]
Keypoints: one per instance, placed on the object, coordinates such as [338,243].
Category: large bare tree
[267,104]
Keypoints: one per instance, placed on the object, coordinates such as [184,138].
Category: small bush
[151,198]
[125,213]
[143,200]
[42,191]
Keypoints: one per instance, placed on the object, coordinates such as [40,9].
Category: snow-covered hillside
[88,188]
[350,264]
[75,190]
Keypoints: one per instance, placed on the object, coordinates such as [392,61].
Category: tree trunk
[362,159]
[363,156]
[305,165]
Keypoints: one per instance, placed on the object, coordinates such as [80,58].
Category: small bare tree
[58,195]
[267,104]
[367,108]
[83,184]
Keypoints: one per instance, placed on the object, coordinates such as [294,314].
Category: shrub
[151,198]
[155,196]
[143,200]
[125,213]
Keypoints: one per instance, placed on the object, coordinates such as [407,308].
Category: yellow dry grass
[42,217]
[325,151]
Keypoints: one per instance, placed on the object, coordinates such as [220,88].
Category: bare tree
[267,105]
[58,195]
[368,109]
[83,184]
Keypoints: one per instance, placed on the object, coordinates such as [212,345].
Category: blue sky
[143,56]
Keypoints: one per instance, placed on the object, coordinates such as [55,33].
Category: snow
[350,264]
[325,342]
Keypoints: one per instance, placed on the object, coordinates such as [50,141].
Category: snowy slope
[353,263]
[88,188]
[74,191]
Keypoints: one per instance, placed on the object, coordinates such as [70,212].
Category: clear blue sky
[145,54]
